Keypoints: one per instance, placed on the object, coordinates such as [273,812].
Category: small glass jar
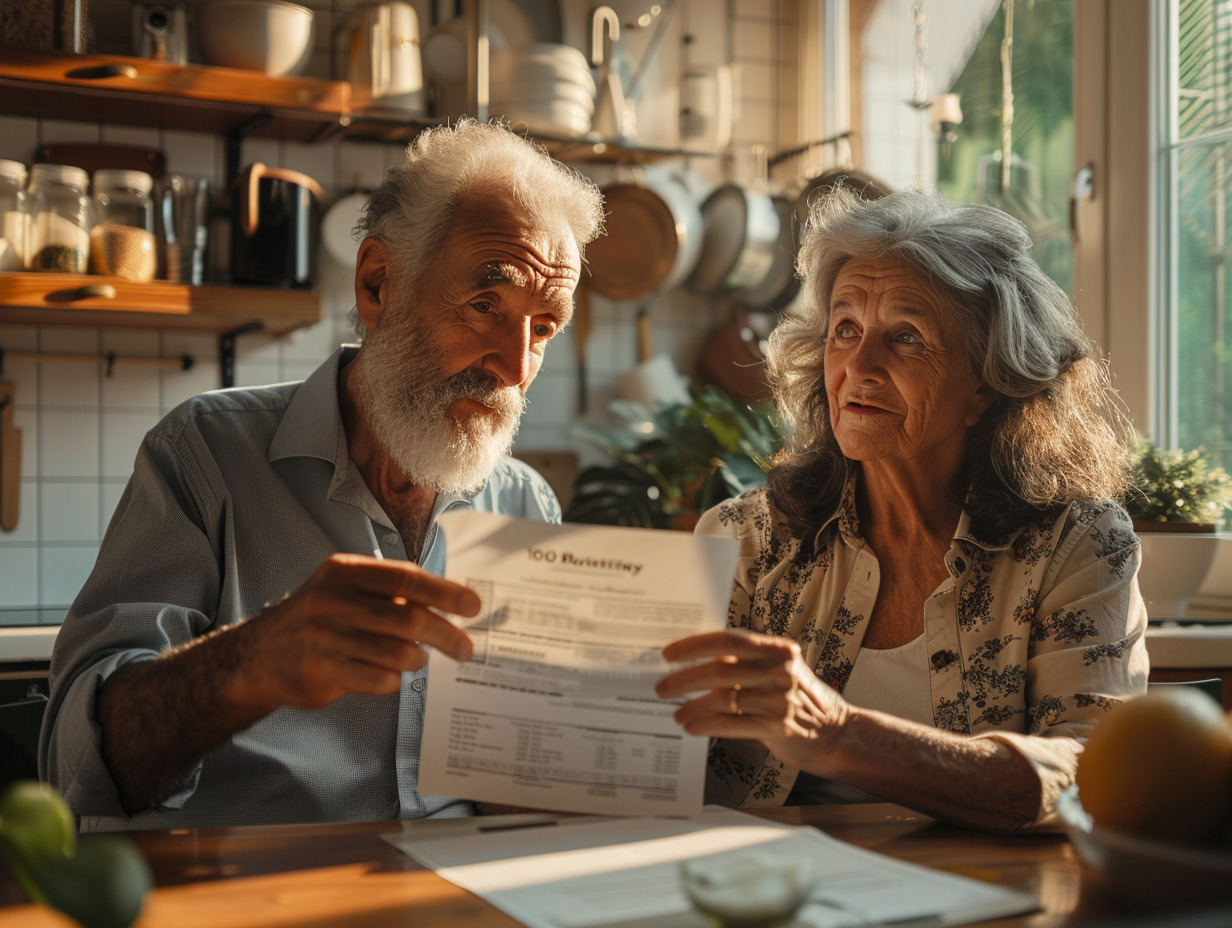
[58,236]
[12,215]
[122,241]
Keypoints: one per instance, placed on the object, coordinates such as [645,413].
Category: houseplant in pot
[1178,500]
[669,466]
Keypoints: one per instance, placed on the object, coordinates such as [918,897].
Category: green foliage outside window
[1196,165]
[1042,130]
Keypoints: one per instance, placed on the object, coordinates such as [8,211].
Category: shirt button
[942,659]
[391,539]
[418,684]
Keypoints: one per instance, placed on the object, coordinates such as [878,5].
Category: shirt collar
[312,427]
[849,522]
[312,424]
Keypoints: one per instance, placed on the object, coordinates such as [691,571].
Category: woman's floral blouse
[1031,639]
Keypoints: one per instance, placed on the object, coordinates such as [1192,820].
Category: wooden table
[339,876]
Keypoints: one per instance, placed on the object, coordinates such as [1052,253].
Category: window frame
[1121,128]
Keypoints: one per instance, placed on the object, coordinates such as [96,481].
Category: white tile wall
[81,427]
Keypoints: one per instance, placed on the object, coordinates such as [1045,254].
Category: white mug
[384,64]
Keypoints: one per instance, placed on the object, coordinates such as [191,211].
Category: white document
[557,709]
[588,873]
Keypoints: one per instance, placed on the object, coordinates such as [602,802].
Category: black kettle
[275,221]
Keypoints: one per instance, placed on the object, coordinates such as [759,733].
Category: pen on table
[511,826]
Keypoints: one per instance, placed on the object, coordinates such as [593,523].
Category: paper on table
[587,873]
[557,709]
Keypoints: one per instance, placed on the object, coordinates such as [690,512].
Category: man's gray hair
[413,208]
[1056,431]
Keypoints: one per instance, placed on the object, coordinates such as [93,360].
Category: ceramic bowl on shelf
[551,117]
[1149,872]
[260,35]
[539,60]
[543,92]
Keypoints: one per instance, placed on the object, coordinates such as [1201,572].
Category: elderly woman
[935,599]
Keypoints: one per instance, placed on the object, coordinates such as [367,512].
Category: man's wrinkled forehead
[557,291]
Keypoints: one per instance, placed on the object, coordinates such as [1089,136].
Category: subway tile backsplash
[81,425]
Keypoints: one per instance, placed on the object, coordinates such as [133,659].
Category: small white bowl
[537,73]
[519,92]
[544,54]
[260,35]
[553,117]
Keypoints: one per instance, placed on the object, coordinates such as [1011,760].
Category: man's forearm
[160,717]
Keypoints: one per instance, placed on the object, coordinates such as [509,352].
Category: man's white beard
[407,402]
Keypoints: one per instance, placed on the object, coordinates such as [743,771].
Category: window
[1036,189]
[1194,164]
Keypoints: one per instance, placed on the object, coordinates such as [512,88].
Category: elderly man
[250,646]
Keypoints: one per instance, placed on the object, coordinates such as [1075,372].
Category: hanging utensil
[10,458]
[654,381]
[613,117]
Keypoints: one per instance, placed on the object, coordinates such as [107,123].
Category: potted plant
[1177,500]
[671,465]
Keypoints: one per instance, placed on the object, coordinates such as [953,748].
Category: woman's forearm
[979,782]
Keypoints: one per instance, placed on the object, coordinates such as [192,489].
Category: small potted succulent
[1177,490]
[1178,500]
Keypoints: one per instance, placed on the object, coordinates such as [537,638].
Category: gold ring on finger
[733,700]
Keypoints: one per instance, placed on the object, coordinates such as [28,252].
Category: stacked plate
[547,87]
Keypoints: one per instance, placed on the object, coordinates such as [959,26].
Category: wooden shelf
[144,92]
[75,299]
[231,101]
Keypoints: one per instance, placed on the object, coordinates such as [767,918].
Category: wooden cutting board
[10,458]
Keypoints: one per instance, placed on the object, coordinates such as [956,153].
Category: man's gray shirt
[237,497]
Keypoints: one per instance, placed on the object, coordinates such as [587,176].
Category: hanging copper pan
[652,241]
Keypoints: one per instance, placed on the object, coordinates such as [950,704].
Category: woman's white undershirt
[894,680]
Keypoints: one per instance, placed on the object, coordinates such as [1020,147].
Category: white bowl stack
[547,87]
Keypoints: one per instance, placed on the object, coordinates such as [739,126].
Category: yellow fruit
[1161,765]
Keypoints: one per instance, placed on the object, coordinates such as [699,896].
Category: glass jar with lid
[122,241]
[12,215]
[58,237]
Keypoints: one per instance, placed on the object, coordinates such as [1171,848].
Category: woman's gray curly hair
[413,208]
[1056,432]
